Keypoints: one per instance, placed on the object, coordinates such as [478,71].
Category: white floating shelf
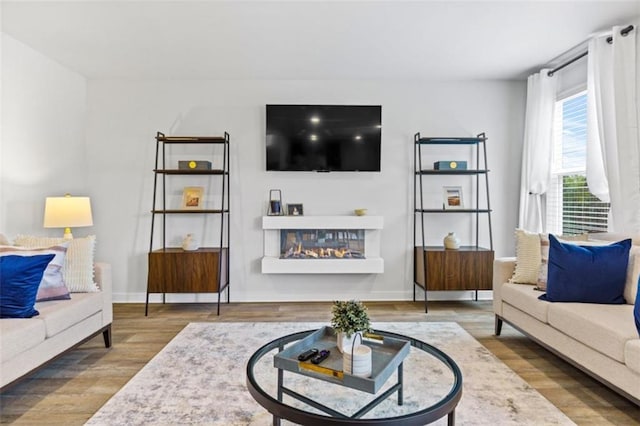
[274,265]
[322,222]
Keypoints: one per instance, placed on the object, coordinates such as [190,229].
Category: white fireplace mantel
[371,264]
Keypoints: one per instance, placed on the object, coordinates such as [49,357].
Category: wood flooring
[69,390]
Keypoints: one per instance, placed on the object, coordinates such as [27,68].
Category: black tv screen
[324,138]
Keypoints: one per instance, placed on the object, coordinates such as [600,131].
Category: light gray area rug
[199,379]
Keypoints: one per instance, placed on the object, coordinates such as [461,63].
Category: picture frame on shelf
[295,210]
[192,198]
[452,197]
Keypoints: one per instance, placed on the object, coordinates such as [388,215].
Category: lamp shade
[67,212]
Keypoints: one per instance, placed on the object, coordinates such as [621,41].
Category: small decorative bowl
[360,212]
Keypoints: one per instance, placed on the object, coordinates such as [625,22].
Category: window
[571,208]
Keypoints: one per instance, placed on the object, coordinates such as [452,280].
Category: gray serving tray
[387,354]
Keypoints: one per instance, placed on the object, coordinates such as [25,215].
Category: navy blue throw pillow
[590,274]
[636,307]
[20,278]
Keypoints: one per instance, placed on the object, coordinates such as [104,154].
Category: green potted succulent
[348,319]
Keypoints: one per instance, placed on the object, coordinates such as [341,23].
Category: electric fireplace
[322,244]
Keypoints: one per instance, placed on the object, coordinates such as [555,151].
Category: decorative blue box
[194,165]
[450,165]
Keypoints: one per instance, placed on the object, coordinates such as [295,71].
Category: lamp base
[67,234]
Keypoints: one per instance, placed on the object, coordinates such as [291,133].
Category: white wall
[43,136]
[61,134]
[123,117]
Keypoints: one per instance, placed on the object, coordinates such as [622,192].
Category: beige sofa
[601,340]
[28,343]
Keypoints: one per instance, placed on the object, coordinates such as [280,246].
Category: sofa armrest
[502,271]
[103,279]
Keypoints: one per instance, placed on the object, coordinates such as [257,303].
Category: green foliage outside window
[581,211]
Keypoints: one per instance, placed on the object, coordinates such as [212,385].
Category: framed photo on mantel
[452,197]
[294,210]
[192,198]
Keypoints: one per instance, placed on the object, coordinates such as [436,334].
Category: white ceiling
[300,40]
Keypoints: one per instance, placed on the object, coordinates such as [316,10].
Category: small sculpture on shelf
[275,203]
[189,243]
[451,242]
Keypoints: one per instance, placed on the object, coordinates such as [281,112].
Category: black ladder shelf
[434,267]
[172,269]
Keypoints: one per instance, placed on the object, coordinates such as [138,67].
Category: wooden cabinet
[174,270]
[205,270]
[469,267]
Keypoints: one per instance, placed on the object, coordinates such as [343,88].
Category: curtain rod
[623,32]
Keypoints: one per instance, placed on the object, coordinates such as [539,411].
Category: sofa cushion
[20,277]
[612,236]
[78,265]
[632,355]
[544,255]
[525,298]
[532,252]
[58,315]
[19,335]
[527,258]
[592,274]
[52,286]
[633,273]
[605,328]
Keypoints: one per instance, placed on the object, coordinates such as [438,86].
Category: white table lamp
[67,212]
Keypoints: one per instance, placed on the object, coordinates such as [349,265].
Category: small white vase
[189,243]
[345,343]
[451,242]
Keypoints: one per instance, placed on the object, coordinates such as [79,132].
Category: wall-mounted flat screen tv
[327,138]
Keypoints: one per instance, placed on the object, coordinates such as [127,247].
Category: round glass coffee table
[423,384]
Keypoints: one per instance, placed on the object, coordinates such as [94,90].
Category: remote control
[307,354]
[324,354]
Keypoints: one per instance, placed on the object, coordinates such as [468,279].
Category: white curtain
[613,150]
[536,152]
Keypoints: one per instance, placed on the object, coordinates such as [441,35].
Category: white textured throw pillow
[78,264]
[4,241]
[527,258]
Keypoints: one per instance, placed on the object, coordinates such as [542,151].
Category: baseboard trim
[213,297]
